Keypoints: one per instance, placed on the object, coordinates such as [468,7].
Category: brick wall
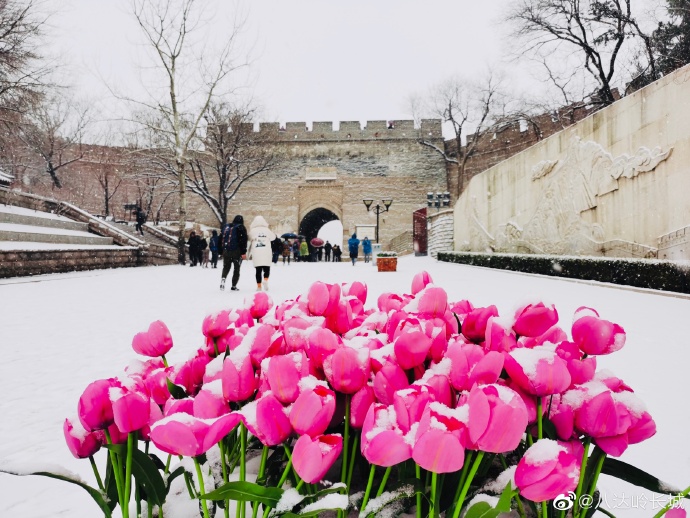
[401,244]
[440,228]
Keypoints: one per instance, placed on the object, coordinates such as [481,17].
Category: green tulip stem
[262,469]
[283,478]
[346,439]
[418,474]
[580,483]
[98,475]
[370,482]
[243,464]
[167,464]
[131,445]
[224,466]
[539,418]
[165,361]
[351,466]
[595,476]
[116,470]
[384,481]
[468,481]
[673,501]
[435,496]
[204,505]
[215,345]
[463,474]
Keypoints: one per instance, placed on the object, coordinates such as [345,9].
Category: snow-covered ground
[60,332]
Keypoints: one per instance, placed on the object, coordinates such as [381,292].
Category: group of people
[353,248]
[201,247]
[300,251]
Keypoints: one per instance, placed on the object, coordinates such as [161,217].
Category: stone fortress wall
[615,184]
[336,170]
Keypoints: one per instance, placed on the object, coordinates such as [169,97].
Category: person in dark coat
[194,244]
[287,251]
[203,250]
[141,219]
[337,252]
[327,249]
[353,247]
[214,246]
[295,250]
[234,245]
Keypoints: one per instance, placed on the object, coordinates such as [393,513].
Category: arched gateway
[326,174]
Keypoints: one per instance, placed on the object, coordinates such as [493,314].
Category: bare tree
[231,154]
[593,32]
[53,130]
[470,109]
[171,29]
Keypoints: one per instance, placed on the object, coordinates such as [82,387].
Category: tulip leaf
[457,319]
[110,484]
[72,479]
[179,471]
[176,391]
[148,477]
[506,498]
[631,474]
[482,510]
[246,492]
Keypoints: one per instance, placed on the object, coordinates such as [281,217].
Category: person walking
[214,247]
[204,251]
[366,249]
[295,250]
[141,219]
[353,247]
[327,249]
[287,252]
[303,251]
[276,249]
[193,243]
[337,252]
[260,239]
[234,245]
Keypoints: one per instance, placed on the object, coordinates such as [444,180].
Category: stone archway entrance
[314,220]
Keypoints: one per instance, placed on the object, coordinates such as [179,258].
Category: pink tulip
[581,370]
[498,336]
[340,319]
[439,445]
[131,409]
[440,389]
[190,375]
[497,418]
[318,298]
[547,470]
[283,375]
[296,332]
[82,443]
[183,434]
[432,302]
[411,346]
[312,411]
[209,402]
[356,289]
[436,330]
[272,425]
[474,324]
[388,380]
[258,304]
[239,381]
[347,369]
[116,435]
[388,302]
[216,324]
[383,442]
[555,335]
[174,406]
[313,457]
[461,309]
[594,335]
[322,343]
[95,408]
[420,281]
[676,512]
[360,403]
[157,341]
[263,343]
[563,419]
[472,365]
[535,319]
[240,318]
[539,371]
[409,406]
[157,386]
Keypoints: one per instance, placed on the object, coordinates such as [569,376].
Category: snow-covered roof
[5,177]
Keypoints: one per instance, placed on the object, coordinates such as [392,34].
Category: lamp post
[378,209]
[440,199]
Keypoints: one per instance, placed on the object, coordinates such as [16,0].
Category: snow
[32,229]
[21,211]
[330,501]
[31,245]
[498,485]
[60,332]
[544,450]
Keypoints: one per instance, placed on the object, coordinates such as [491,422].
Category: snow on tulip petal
[209,402]
[420,281]
[82,443]
[535,319]
[546,470]
[498,336]
[258,304]
[539,371]
[216,324]
[313,457]
[356,289]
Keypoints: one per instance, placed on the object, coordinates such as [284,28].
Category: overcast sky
[314,60]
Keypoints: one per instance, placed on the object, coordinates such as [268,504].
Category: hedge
[642,273]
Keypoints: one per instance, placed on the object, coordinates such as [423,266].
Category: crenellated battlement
[353,130]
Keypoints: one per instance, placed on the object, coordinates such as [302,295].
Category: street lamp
[378,209]
[440,199]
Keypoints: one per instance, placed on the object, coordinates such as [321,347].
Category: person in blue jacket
[353,246]
[214,246]
[366,249]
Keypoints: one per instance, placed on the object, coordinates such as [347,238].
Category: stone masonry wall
[18,263]
[440,228]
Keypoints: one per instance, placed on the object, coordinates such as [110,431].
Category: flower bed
[436,405]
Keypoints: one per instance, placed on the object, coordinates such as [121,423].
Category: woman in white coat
[260,237]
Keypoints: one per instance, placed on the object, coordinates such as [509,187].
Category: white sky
[315,60]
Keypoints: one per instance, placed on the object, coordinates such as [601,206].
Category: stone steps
[33,234]
[39,220]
